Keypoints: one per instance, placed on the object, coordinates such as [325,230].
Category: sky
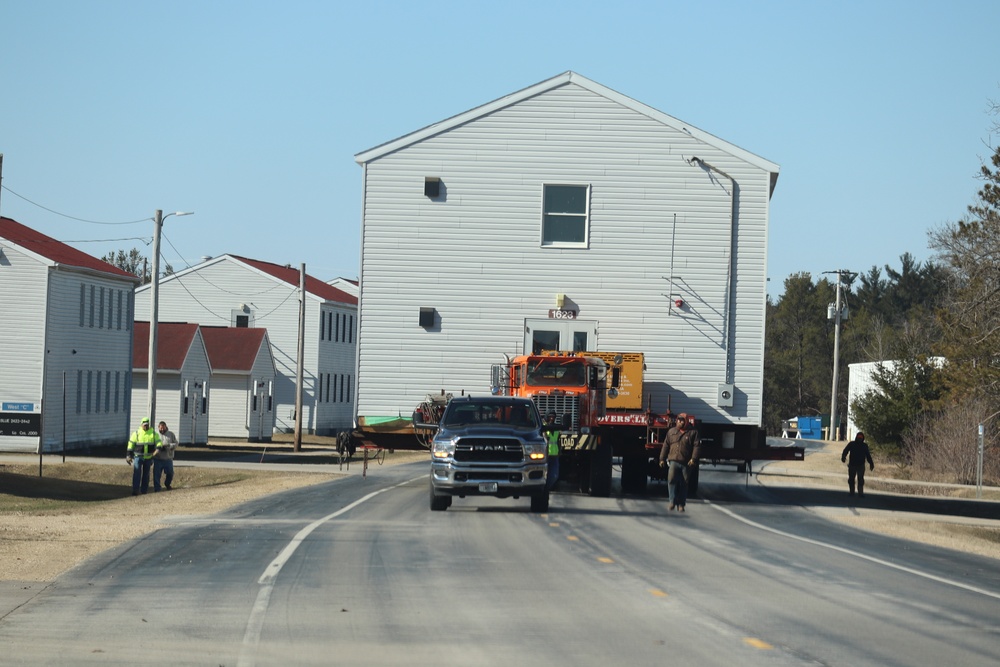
[250,113]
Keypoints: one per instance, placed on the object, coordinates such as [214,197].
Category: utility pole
[154,315]
[154,312]
[300,360]
[842,274]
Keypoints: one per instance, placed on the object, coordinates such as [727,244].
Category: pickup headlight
[537,452]
[443,449]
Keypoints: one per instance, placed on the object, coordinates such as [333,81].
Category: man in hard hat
[142,445]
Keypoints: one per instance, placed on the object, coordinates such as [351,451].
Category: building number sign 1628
[560,314]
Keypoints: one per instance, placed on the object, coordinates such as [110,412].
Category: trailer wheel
[439,503]
[634,473]
[540,502]
[600,471]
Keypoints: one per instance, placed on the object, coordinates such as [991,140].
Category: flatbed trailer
[598,398]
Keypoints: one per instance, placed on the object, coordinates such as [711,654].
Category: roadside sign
[20,424]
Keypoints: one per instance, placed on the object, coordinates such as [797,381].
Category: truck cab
[573,386]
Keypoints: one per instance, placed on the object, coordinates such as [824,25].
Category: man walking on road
[141,446]
[681,450]
[859,452]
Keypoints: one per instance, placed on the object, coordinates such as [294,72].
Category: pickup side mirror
[420,425]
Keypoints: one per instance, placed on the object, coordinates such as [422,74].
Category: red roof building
[65,338]
[55,251]
[183,381]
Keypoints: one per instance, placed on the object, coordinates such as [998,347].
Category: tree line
[134,262]
[938,324]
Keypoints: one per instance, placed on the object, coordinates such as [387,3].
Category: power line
[93,222]
[144,239]
[178,278]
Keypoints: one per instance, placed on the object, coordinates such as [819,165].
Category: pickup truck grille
[488,450]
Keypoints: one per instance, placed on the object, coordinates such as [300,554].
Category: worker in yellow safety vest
[552,435]
[142,445]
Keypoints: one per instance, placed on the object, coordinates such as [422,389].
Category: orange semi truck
[600,400]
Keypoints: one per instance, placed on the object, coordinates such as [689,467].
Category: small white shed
[242,383]
[183,386]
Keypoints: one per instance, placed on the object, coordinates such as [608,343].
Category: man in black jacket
[858,449]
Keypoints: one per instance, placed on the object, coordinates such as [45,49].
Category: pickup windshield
[486,413]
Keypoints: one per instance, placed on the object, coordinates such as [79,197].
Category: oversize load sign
[28,424]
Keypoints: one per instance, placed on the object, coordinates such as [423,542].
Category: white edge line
[856,554]
[266,581]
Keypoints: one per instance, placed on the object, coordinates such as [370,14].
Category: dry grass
[70,485]
[74,510]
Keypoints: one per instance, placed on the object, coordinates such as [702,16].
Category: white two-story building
[65,345]
[239,292]
[565,216]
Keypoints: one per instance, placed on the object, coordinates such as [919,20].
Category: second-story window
[565,212]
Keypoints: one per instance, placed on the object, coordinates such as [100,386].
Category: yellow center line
[657,593]
[572,538]
[757,643]
[605,559]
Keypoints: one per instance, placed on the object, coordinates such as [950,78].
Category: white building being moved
[565,216]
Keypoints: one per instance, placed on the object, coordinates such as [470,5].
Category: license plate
[488,487]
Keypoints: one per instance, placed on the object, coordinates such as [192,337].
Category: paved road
[358,571]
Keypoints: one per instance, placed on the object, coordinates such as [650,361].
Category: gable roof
[173,342]
[345,285]
[566,78]
[286,274]
[290,275]
[231,348]
[53,251]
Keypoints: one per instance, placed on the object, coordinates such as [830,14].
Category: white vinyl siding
[659,229]
[234,412]
[47,348]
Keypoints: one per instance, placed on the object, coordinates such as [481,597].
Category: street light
[154,300]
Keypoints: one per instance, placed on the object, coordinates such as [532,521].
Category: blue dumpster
[810,428]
